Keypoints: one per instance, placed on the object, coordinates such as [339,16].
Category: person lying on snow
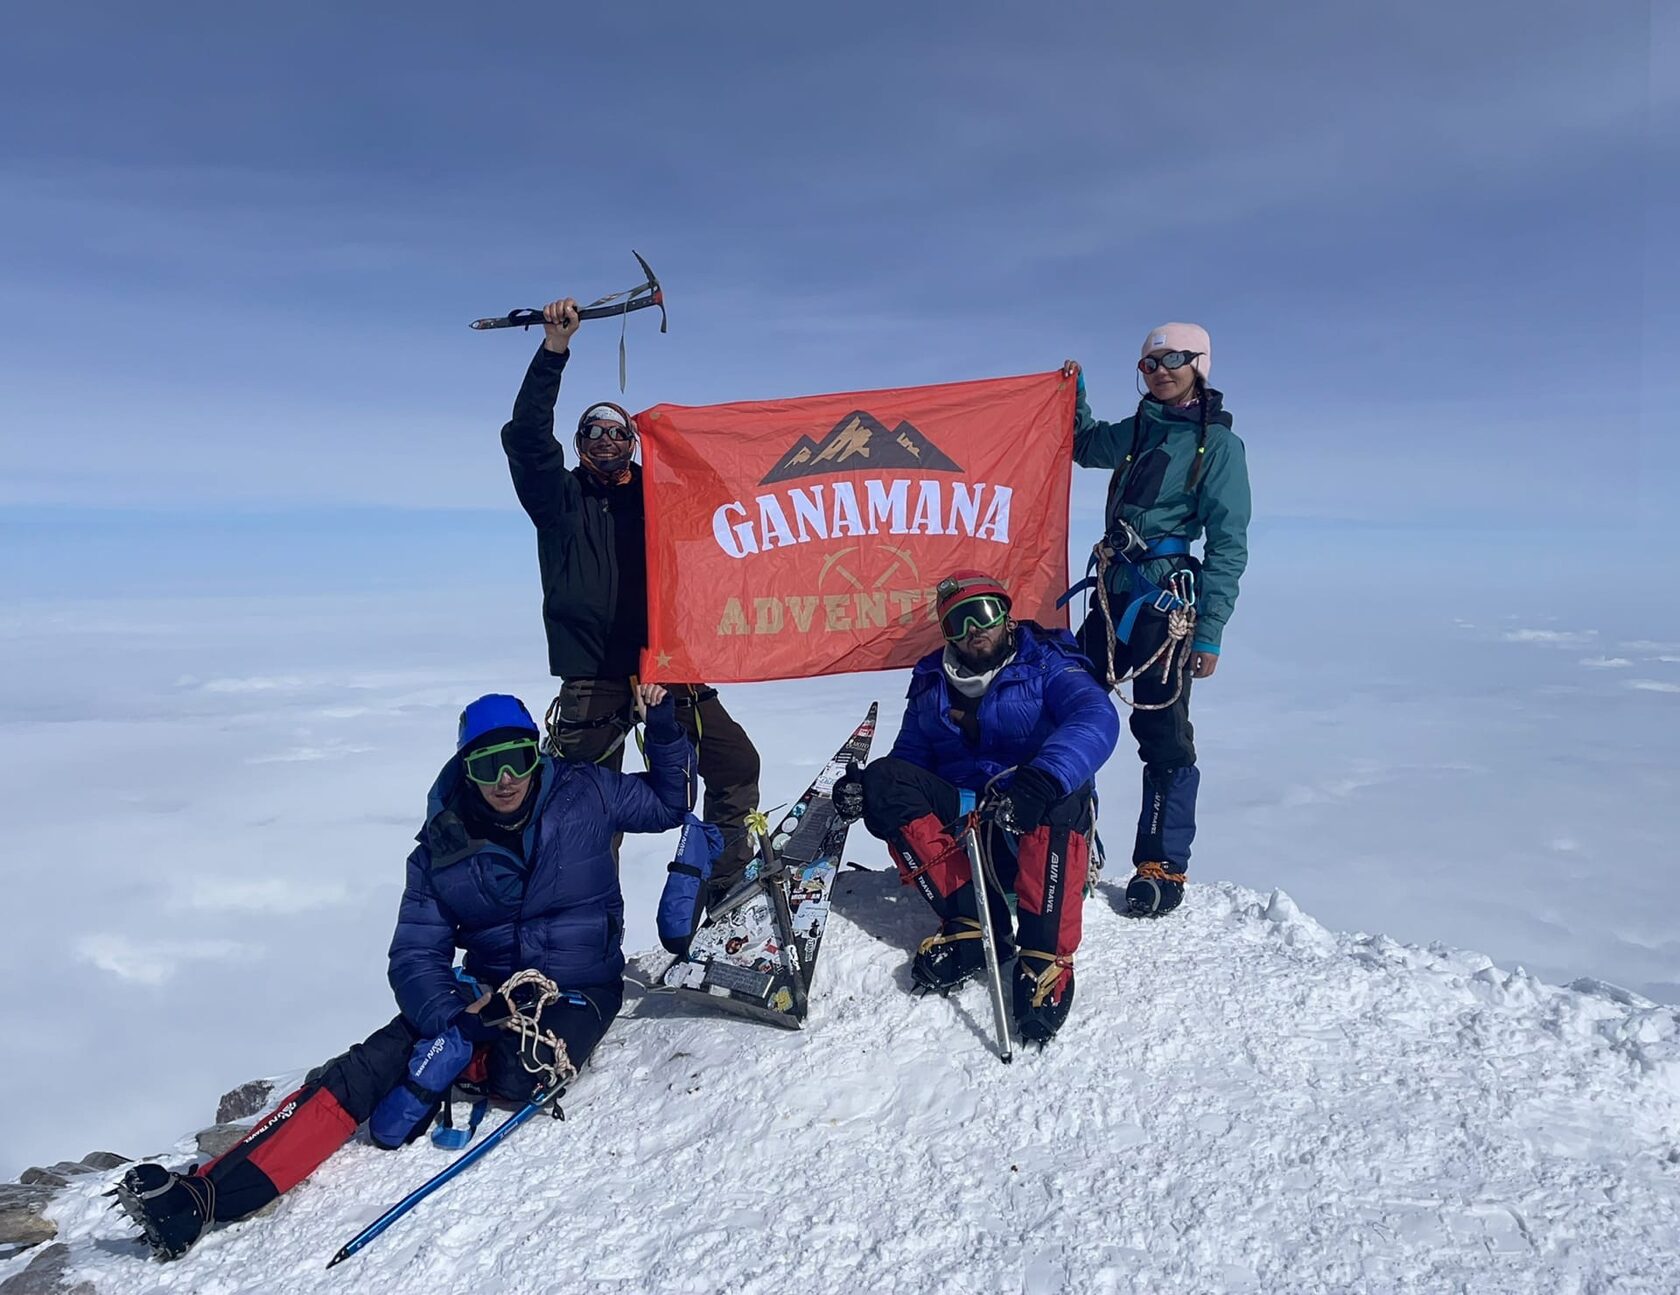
[1007,710]
[515,866]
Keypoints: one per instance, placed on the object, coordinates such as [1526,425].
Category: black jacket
[590,544]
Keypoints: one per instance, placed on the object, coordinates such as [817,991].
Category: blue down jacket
[1043,709]
[563,914]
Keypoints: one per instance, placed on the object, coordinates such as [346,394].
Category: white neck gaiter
[964,680]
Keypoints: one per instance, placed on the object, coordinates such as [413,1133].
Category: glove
[484,1024]
[1023,803]
[474,1028]
[662,721]
[848,794]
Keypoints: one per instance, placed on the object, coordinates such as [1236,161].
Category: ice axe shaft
[526,316]
[981,871]
[644,294]
[464,1161]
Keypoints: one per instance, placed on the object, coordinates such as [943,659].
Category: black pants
[1166,739]
[594,719]
[290,1142]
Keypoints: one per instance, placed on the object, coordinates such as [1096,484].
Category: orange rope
[906,878]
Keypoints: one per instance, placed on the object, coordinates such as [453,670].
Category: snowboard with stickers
[758,950]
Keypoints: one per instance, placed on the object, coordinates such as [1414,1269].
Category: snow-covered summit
[1241,1100]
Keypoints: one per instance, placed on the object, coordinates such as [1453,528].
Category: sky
[1426,238]
[251,463]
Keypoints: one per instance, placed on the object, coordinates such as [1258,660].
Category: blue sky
[1426,238]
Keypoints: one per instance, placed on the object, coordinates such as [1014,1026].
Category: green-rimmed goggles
[487,764]
[980,612]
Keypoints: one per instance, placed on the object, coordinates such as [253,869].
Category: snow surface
[1241,1100]
[208,800]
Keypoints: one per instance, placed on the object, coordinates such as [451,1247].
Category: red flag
[789,538]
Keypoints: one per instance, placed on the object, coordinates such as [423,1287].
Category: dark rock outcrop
[45,1276]
[244,1102]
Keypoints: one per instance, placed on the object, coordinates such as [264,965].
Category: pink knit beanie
[1182,337]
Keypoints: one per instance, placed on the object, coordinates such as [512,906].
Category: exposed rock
[21,1221]
[244,1102]
[63,1170]
[219,1137]
[105,1160]
[35,1176]
[45,1276]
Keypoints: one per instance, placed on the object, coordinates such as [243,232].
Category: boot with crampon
[1154,890]
[949,958]
[1043,995]
[172,1209]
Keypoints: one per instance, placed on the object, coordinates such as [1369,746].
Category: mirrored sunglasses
[607,431]
[1170,361]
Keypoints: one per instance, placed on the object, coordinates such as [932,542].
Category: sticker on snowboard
[756,954]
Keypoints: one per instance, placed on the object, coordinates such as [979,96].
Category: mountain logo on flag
[860,440]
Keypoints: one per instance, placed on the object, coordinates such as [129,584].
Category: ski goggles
[982,612]
[605,431]
[486,765]
[1170,361]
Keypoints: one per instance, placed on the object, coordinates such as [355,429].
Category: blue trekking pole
[420,1193]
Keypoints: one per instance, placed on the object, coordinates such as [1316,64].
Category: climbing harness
[1176,601]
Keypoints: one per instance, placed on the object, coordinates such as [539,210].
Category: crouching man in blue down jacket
[1007,712]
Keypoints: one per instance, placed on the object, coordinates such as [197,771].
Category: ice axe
[980,869]
[644,294]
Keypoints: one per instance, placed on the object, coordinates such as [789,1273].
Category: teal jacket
[1152,454]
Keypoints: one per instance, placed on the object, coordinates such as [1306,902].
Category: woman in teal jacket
[1179,474]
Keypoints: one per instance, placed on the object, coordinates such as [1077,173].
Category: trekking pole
[420,1193]
[988,940]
